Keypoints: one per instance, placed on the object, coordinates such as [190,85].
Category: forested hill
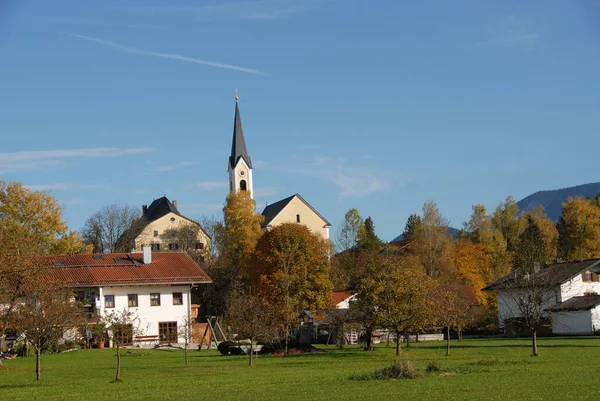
[552,200]
[454,232]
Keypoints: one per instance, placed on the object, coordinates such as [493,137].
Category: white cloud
[265,192]
[75,201]
[172,167]
[58,186]
[141,52]
[211,185]
[39,159]
[356,185]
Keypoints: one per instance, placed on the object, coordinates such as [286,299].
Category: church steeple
[240,165]
[238,144]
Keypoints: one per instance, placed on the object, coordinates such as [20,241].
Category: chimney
[147,257]
[144,209]
[175,204]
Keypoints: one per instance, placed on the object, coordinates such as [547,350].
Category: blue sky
[378,105]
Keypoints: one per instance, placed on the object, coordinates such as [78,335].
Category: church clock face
[242,173]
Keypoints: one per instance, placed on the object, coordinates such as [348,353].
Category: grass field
[499,369]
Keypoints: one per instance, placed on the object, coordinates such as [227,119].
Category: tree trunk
[369,339]
[341,338]
[398,338]
[534,346]
[460,332]
[407,341]
[447,340]
[251,350]
[185,352]
[118,376]
[38,368]
[286,335]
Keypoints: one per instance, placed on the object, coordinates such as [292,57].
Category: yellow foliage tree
[473,267]
[579,230]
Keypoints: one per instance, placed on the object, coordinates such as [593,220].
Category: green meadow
[498,369]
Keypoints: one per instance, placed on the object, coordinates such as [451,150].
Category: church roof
[238,144]
[272,210]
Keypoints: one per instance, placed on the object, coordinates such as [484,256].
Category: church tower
[240,166]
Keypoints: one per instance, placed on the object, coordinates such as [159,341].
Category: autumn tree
[403,298]
[30,224]
[433,244]
[105,227]
[343,266]
[579,230]
[236,239]
[123,326]
[473,268]
[369,260]
[290,270]
[48,312]
[451,308]
[506,220]
[251,317]
[185,331]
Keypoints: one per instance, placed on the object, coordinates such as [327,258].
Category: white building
[154,286]
[567,294]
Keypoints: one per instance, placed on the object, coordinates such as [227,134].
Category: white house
[154,286]
[566,293]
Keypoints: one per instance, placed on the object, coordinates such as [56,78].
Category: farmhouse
[154,286]
[565,293]
[158,220]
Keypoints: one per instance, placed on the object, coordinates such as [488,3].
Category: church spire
[238,144]
[240,166]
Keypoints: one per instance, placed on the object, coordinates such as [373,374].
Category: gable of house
[295,209]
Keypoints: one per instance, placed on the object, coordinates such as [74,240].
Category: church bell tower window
[243,185]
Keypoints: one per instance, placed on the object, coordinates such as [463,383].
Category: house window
[109,301]
[177,298]
[243,185]
[590,277]
[155,247]
[297,218]
[199,246]
[173,246]
[132,300]
[155,299]
[167,332]
[156,233]
[590,293]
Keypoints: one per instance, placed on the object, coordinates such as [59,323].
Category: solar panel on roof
[118,260]
[59,264]
[99,257]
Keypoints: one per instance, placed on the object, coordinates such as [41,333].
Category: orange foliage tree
[290,269]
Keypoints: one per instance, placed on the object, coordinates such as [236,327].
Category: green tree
[290,270]
[412,227]
[506,220]
[531,247]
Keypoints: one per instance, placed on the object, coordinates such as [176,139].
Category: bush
[398,370]
[433,367]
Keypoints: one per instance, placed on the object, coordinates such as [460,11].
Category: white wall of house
[576,287]
[572,322]
[345,304]
[508,302]
[149,316]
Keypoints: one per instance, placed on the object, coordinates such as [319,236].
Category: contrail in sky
[142,52]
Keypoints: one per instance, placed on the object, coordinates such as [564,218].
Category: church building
[293,209]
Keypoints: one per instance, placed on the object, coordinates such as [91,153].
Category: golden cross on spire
[236,95]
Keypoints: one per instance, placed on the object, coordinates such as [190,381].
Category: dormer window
[589,277]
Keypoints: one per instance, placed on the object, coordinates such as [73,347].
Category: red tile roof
[339,296]
[125,269]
